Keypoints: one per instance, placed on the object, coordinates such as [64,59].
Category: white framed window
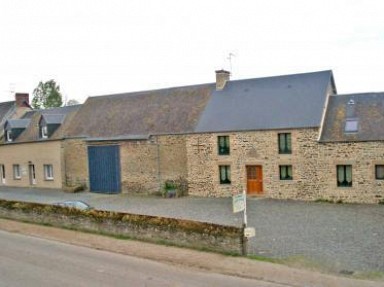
[44,132]
[8,135]
[48,172]
[16,171]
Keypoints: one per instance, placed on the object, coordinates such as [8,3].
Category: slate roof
[366,108]
[166,111]
[53,119]
[5,108]
[32,131]
[281,102]
[17,123]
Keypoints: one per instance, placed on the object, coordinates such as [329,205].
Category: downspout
[158,164]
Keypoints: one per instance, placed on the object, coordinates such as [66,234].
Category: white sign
[238,202]
[249,232]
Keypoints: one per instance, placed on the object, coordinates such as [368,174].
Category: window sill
[49,179]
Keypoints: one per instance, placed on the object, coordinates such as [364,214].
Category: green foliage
[135,220]
[47,95]
[72,102]
[175,187]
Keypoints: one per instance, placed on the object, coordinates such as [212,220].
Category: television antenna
[229,58]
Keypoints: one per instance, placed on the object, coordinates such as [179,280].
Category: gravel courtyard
[345,238]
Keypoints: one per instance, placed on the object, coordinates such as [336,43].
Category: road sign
[249,232]
[238,201]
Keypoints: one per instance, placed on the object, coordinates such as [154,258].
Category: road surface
[30,261]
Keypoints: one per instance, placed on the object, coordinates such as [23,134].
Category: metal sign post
[239,202]
[245,222]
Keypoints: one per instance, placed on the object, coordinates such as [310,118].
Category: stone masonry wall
[75,163]
[186,233]
[363,156]
[146,165]
[313,166]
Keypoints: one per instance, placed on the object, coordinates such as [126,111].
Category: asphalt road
[29,261]
[336,238]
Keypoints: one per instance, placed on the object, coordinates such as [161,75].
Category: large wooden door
[104,169]
[254,179]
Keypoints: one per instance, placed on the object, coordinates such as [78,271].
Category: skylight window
[351,126]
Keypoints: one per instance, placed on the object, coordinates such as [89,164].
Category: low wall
[186,233]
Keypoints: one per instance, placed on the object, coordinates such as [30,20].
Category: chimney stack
[222,76]
[22,100]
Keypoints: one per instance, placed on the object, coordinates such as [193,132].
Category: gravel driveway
[342,238]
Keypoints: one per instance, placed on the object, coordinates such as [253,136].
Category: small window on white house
[351,126]
[8,135]
[16,171]
[48,172]
[44,132]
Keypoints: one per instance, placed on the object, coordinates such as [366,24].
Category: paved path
[346,238]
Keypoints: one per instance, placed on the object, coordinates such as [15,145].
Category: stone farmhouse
[289,136]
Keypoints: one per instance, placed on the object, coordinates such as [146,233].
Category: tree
[72,102]
[47,95]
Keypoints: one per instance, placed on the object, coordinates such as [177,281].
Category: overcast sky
[101,47]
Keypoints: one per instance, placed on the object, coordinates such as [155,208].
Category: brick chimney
[222,76]
[22,100]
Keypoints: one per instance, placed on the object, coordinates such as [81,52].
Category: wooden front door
[254,179]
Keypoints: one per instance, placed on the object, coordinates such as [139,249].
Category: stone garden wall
[186,233]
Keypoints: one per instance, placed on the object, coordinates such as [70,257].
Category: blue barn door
[104,169]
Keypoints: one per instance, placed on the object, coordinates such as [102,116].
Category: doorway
[254,179]
[2,173]
[104,169]
[32,174]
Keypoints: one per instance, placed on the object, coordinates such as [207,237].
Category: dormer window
[49,123]
[14,127]
[44,132]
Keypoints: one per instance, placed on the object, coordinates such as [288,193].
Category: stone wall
[313,165]
[186,233]
[139,166]
[146,165]
[363,156]
[75,163]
